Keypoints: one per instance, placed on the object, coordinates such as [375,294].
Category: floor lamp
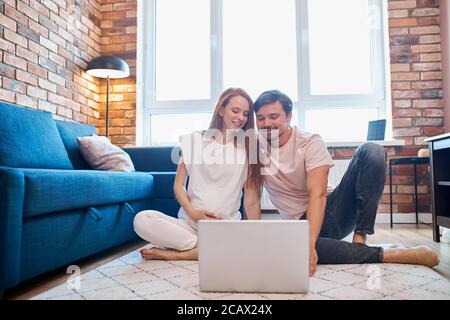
[108,67]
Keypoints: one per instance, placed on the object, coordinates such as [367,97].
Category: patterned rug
[131,277]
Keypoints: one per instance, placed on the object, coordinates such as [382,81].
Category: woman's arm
[252,203]
[180,190]
[182,196]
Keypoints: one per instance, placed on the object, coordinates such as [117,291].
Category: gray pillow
[101,154]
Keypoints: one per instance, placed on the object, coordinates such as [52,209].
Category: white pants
[165,231]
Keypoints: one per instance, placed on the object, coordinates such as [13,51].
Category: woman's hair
[254,178]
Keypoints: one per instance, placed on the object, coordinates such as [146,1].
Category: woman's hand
[199,214]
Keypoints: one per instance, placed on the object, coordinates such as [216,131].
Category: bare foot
[168,254]
[156,254]
[426,256]
[359,237]
[421,255]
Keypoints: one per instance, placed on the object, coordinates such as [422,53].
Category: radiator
[334,178]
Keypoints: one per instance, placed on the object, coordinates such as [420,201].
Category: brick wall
[44,46]
[445,33]
[416,71]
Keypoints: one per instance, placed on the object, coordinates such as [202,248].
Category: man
[299,188]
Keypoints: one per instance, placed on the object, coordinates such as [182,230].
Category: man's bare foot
[426,256]
[420,255]
[359,237]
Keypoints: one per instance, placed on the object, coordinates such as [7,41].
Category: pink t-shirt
[287,184]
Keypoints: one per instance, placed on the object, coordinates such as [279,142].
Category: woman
[218,167]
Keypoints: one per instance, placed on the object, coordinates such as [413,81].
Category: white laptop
[254,256]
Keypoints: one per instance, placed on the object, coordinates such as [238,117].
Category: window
[327,55]
[182,48]
[179,124]
[252,59]
[337,125]
[339,64]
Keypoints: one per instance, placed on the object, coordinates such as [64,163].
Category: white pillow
[101,154]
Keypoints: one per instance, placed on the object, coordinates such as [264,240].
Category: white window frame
[308,101]
[147,104]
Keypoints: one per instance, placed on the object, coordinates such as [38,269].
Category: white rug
[131,277]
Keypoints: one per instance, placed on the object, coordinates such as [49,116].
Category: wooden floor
[408,235]
[412,235]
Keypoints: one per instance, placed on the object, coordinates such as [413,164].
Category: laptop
[376,130]
[270,256]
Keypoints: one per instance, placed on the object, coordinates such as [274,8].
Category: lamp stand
[107,105]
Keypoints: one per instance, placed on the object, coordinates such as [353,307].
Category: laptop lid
[254,256]
[376,130]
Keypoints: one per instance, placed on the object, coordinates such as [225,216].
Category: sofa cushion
[101,154]
[29,139]
[48,191]
[69,132]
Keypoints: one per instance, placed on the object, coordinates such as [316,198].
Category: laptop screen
[376,130]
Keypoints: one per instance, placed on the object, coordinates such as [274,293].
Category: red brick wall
[445,33]
[45,46]
[416,71]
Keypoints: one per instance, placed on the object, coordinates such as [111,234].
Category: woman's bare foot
[420,255]
[168,254]
[155,254]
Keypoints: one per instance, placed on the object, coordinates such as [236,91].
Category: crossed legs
[177,237]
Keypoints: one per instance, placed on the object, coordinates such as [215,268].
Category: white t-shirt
[286,186]
[217,173]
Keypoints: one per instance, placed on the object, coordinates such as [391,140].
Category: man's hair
[271,97]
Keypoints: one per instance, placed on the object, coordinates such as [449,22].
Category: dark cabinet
[440,182]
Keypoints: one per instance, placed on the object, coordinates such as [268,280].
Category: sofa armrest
[154,159]
[12,190]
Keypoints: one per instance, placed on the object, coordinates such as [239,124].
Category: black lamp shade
[108,66]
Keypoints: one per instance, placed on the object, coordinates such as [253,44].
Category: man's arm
[316,182]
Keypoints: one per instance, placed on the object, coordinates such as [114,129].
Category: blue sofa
[54,209]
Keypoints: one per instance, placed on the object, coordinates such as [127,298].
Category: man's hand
[313,258]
